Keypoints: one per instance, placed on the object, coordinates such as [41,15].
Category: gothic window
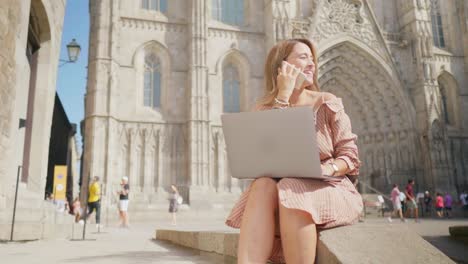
[228,11]
[152,82]
[444,99]
[436,20]
[157,5]
[231,89]
[449,105]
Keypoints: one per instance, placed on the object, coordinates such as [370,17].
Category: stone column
[102,82]
[415,16]
[277,20]
[198,124]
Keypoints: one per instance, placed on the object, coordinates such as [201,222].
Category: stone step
[360,243]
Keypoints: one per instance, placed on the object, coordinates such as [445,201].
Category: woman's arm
[345,152]
[327,168]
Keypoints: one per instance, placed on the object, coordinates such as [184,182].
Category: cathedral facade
[162,72]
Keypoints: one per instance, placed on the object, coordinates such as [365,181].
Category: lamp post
[73,50]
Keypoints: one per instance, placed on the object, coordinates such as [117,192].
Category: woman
[295,207]
[123,202]
[76,209]
[395,195]
[173,205]
[427,201]
[439,204]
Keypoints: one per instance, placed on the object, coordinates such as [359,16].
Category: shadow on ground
[456,250]
[185,254]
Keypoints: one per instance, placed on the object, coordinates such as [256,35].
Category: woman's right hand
[286,80]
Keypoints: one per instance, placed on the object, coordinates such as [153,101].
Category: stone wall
[18,73]
[9,21]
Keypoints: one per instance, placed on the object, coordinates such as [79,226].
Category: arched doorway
[380,112]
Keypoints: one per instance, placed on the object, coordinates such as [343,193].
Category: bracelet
[280,102]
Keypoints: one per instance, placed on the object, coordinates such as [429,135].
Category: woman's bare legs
[258,223]
[121,219]
[125,216]
[174,219]
[298,235]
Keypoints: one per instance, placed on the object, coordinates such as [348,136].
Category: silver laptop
[275,143]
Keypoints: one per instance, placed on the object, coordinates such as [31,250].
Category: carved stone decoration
[300,28]
[351,18]
[281,19]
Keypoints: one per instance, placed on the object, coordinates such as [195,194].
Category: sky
[71,77]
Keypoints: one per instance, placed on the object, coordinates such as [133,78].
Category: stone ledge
[460,233]
[361,243]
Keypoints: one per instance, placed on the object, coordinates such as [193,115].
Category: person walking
[448,205]
[464,201]
[173,203]
[428,202]
[94,201]
[411,203]
[76,209]
[395,195]
[123,202]
[439,205]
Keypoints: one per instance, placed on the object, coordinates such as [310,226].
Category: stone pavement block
[363,243]
[376,243]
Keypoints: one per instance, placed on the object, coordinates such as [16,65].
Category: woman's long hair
[275,57]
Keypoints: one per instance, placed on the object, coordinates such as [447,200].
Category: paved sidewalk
[136,245]
[113,245]
[436,232]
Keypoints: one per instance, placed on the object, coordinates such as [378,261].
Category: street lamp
[73,49]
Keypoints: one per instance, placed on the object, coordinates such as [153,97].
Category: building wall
[17,97]
[373,54]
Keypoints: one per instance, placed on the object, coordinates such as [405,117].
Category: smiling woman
[285,213]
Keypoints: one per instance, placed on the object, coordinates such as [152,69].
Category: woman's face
[301,57]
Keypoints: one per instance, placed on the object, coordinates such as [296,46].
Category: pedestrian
[395,195]
[174,197]
[123,202]
[439,205]
[76,209]
[94,201]
[427,202]
[411,204]
[464,200]
[448,205]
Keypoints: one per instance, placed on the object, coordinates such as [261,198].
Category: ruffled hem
[330,204]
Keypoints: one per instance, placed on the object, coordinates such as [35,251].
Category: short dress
[329,203]
[173,205]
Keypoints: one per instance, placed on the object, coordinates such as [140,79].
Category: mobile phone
[301,78]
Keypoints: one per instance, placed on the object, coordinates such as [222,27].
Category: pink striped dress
[330,204]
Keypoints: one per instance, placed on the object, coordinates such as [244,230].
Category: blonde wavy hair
[277,54]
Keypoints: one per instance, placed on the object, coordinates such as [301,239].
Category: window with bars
[231,89]
[156,5]
[437,28]
[152,82]
[228,11]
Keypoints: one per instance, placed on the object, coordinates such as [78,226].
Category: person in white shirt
[464,200]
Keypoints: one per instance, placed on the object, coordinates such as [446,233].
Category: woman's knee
[266,185]
[264,189]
